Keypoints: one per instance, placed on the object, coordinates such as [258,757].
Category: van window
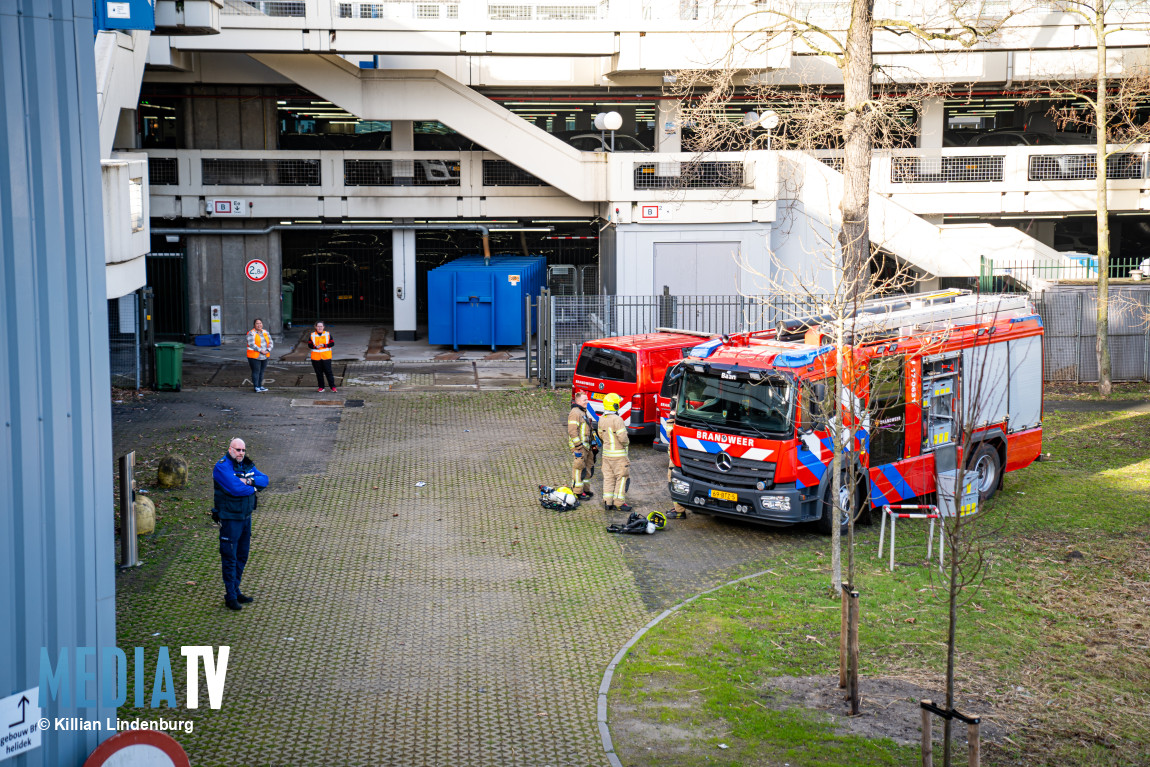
[607,364]
[670,386]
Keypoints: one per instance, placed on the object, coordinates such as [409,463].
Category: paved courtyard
[450,623]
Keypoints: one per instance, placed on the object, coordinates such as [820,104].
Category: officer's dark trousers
[235,538]
[322,368]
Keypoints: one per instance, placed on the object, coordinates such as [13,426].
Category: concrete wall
[230,117]
[216,277]
[57,565]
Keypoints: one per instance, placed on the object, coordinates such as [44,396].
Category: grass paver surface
[451,624]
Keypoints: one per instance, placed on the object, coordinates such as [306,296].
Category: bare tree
[1113,114]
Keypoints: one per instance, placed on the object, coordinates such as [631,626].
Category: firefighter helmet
[612,402]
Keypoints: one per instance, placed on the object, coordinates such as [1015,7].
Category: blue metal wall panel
[57,567]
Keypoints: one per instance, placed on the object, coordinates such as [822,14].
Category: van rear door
[602,370]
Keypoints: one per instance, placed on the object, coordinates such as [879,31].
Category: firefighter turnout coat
[616,464]
[579,439]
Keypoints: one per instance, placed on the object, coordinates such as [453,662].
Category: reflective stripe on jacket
[321,344]
[259,344]
[578,432]
[613,432]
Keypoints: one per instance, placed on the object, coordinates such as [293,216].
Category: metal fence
[1082,167]
[430,172]
[999,276]
[124,341]
[504,173]
[163,171]
[1070,321]
[248,172]
[567,321]
[690,175]
[940,170]
[297,8]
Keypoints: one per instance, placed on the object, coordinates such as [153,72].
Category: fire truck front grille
[743,475]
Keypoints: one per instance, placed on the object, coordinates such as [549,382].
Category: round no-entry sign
[256,270]
[135,748]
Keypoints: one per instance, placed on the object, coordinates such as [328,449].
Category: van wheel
[986,467]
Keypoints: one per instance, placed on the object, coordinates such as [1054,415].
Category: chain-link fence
[567,321]
[1070,322]
[124,341]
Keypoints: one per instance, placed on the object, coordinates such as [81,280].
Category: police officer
[580,441]
[616,464]
[237,480]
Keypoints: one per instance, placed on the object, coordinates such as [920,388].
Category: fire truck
[948,374]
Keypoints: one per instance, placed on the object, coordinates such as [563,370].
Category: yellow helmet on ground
[612,402]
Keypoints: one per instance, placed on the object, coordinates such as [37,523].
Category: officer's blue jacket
[234,498]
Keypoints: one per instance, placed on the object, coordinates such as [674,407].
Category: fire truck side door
[888,410]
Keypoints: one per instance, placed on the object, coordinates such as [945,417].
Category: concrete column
[404,282]
[585,119]
[668,132]
[668,135]
[628,115]
[402,140]
[931,124]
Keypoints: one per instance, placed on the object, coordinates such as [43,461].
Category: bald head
[237,449]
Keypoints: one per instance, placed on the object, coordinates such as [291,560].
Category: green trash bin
[287,291]
[169,365]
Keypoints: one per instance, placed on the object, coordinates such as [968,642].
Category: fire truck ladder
[921,311]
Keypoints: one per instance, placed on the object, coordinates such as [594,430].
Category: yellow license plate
[345,298]
[724,496]
[598,396]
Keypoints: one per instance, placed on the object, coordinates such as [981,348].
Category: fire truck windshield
[760,408]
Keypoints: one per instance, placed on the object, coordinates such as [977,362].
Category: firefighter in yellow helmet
[616,464]
[581,441]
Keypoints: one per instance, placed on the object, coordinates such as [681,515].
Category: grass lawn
[1054,647]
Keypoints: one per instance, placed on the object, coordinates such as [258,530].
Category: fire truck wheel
[844,515]
[987,469]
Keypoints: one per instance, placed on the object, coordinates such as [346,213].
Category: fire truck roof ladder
[933,314]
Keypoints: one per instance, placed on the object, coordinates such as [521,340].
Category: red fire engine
[751,440]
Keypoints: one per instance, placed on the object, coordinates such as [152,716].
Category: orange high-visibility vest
[321,339]
[252,334]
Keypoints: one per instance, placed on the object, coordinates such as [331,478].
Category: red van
[632,367]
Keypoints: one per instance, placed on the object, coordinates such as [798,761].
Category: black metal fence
[567,321]
[124,342]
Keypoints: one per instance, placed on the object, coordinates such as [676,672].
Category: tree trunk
[857,93]
[1102,339]
[954,588]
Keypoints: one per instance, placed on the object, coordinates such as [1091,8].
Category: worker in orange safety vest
[320,343]
[259,350]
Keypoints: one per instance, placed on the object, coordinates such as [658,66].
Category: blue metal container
[471,303]
[124,14]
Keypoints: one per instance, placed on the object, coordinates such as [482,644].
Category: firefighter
[679,512]
[616,464]
[580,441]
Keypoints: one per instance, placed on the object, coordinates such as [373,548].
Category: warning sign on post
[19,723]
[256,270]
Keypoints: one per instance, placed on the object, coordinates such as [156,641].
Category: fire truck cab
[752,440]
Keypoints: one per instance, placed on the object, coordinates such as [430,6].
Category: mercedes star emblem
[723,462]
